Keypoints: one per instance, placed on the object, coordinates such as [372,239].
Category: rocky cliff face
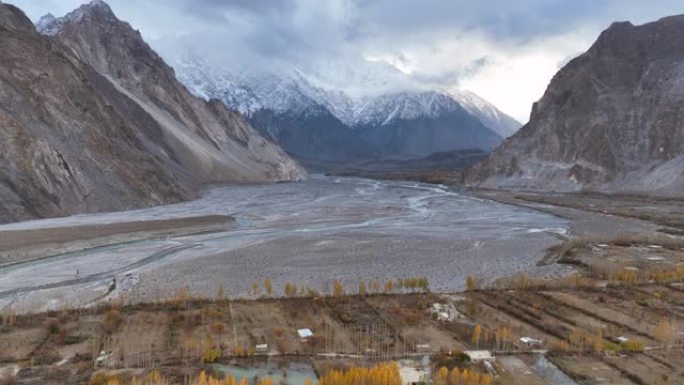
[63,148]
[73,140]
[611,120]
[210,141]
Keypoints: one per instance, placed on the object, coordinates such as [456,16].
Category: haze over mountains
[347,111]
[92,119]
[611,120]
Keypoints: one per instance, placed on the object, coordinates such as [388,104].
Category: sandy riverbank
[19,245]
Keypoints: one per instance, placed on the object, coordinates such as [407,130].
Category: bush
[633,346]
[218,328]
[111,320]
[211,355]
[52,325]
[70,340]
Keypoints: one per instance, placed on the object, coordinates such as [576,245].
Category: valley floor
[310,232]
[596,283]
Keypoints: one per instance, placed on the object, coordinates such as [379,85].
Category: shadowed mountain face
[399,126]
[319,139]
[611,120]
[75,139]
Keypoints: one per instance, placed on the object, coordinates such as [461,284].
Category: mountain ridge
[272,101]
[610,120]
[211,141]
[76,140]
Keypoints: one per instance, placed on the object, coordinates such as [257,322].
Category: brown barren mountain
[76,139]
[611,120]
[213,142]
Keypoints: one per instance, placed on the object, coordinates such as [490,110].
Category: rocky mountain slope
[317,118]
[210,141]
[611,120]
[74,140]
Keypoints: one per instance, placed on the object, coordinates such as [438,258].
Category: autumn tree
[256,288]
[381,374]
[181,297]
[111,320]
[503,336]
[268,286]
[338,288]
[375,286]
[220,293]
[471,283]
[362,288]
[290,290]
[625,276]
[441,376]
[389,286]
[461,377]
[664,332]
[522,282]
[475,338]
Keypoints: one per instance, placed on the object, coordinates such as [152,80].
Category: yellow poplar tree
[268,286]
[362,288]
[664,332]
[471,283]
[338,288]
[475,339]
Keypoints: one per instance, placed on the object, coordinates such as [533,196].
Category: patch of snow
[340,88]
[50,25]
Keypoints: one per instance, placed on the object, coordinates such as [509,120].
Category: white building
[530,342]
[479,355]
[304,333]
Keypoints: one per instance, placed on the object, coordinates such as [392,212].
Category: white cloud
[505,51]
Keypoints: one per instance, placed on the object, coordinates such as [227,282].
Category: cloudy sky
[505,51]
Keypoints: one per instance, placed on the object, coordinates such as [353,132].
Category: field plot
[588,370]
[619,319]
[515,371]
[590,335]
[418,332]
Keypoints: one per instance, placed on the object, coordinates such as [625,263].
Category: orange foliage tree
[381,374]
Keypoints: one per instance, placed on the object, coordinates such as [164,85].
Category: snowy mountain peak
[95,6]
[490,116]
[51,25]
[340,88]
[46,25]
[385,109]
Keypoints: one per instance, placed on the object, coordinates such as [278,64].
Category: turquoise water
[293,373]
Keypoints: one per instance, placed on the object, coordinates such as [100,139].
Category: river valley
[309,233]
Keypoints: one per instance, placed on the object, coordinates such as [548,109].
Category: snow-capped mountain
[382,111]
[49,25]
[489,115]
[385,109]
